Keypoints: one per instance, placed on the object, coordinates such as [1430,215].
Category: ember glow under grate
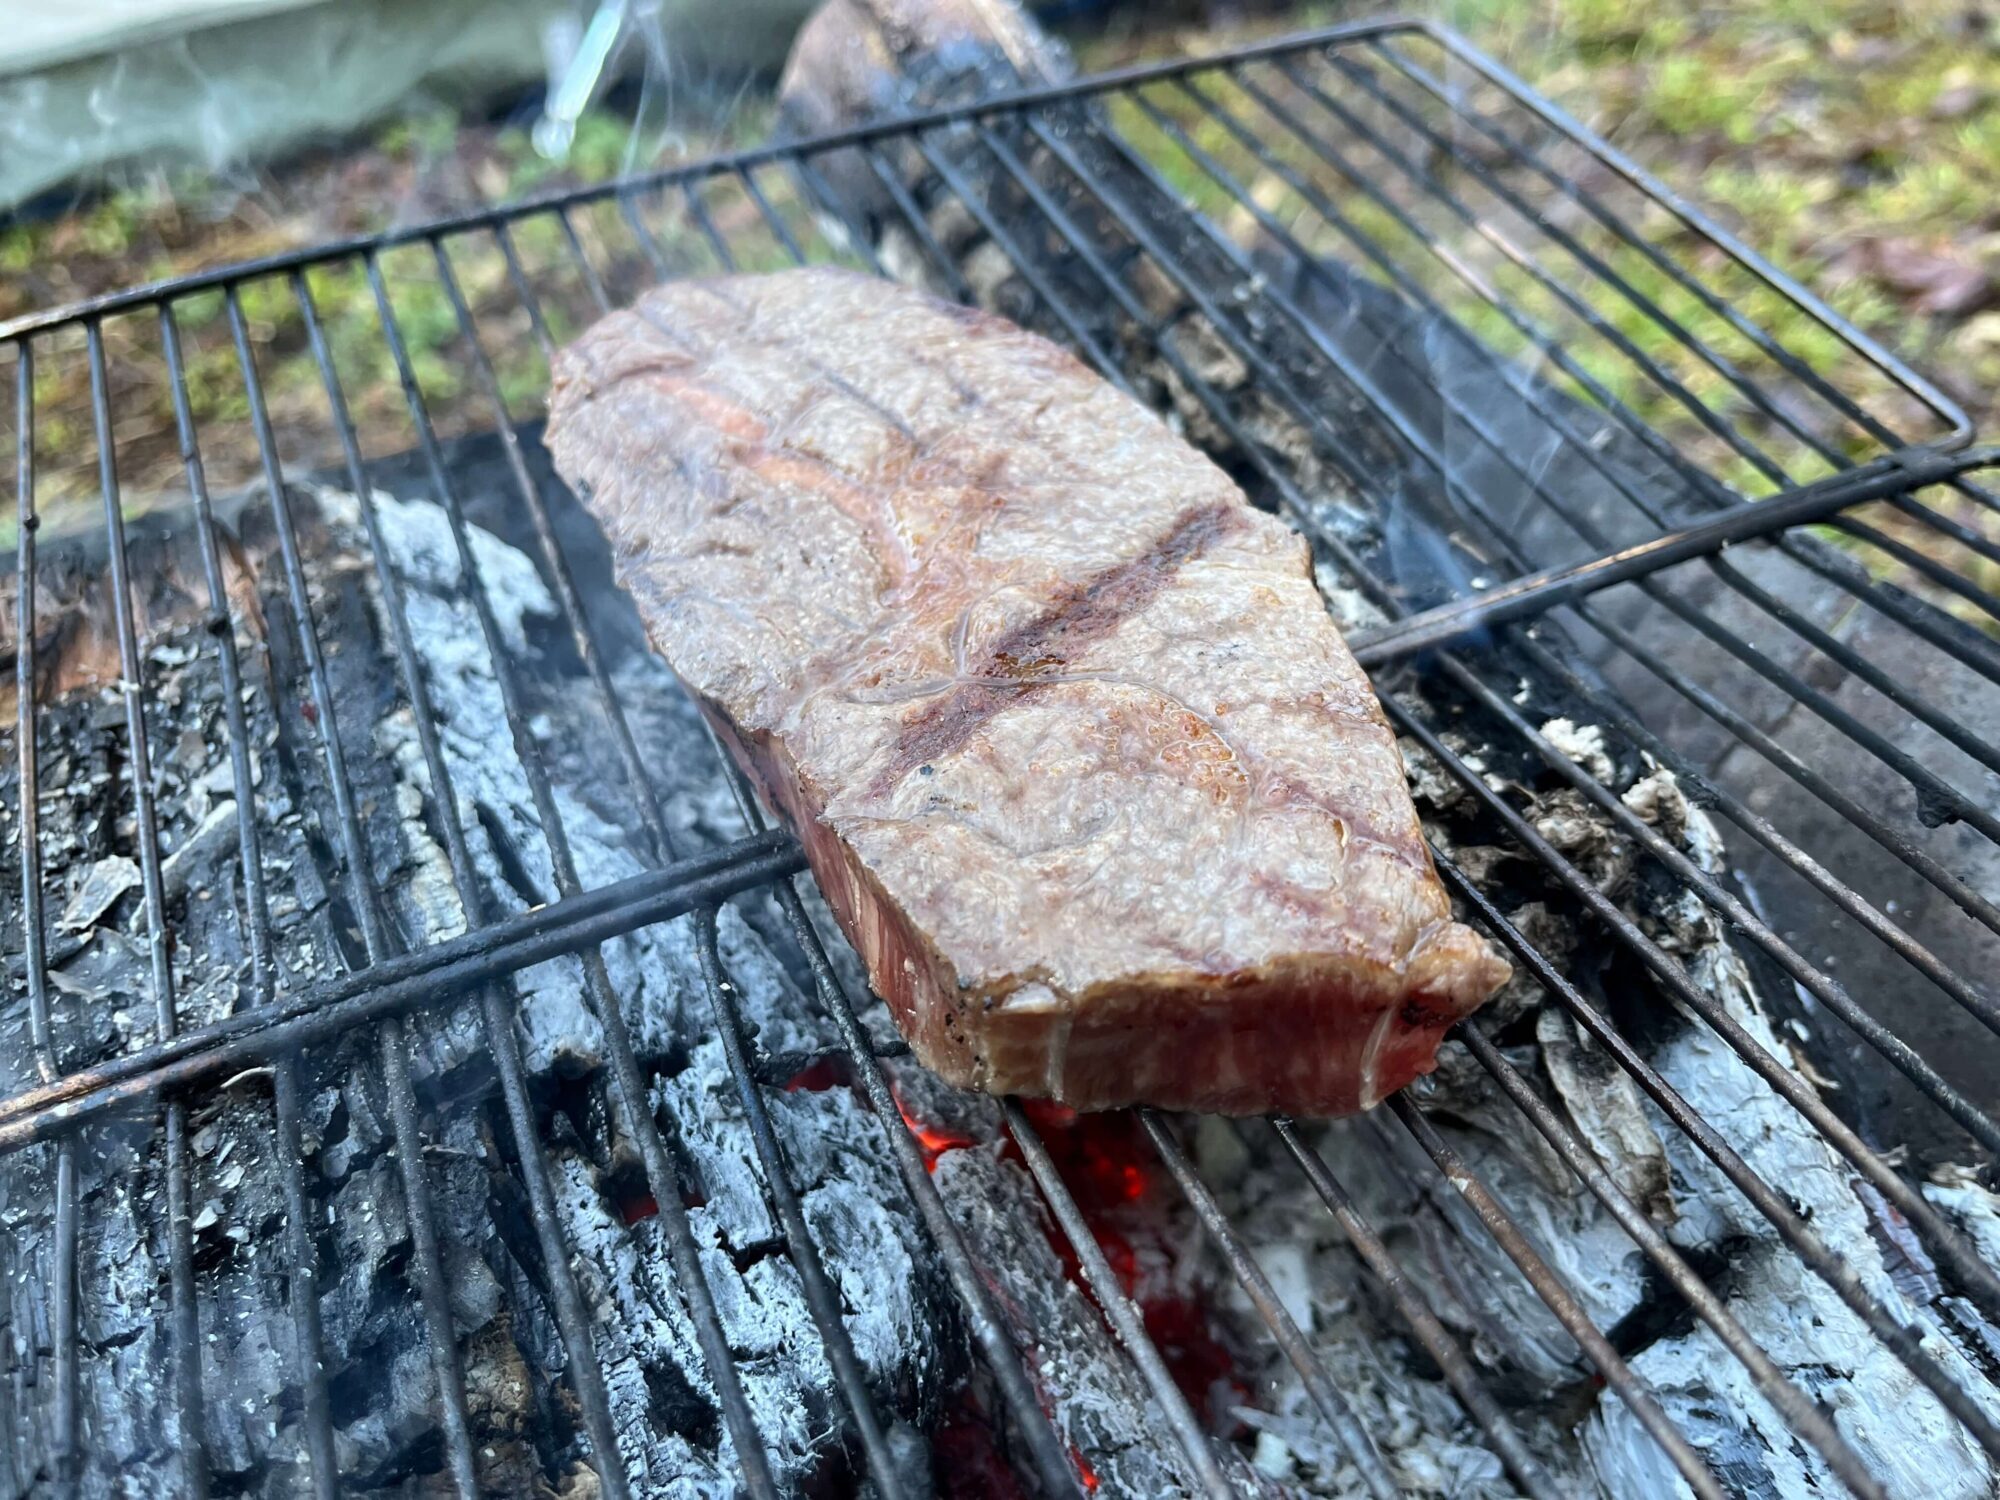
[432,1071]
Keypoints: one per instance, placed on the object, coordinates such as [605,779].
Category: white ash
[1579,831]
[1897,1426]
[1429,782]
[1429,1445]
[1657,799]
[1583,744]
[1958,1193]
[835,1149]
[1351,609]
[97,892]
[1608,1109]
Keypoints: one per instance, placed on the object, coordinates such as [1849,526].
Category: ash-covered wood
[525,1422]
[526,1427]
[1264,394]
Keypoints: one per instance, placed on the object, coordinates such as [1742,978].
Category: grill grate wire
[1714,425]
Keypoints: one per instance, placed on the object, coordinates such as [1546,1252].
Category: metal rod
[1982,1284]
[1352,1436]
[648,243]
[1115,1305]
[1892,1048]
[453,964]
[1936,798]
[1115,291]
[697,206]
[184,1323]
[65,1410]
[1003,1361]
[820,1298]
[1868,589]
[302,1293]
[1556,1295]
[1912,614]
[1791,1403]
[818,191]
[225,1048]
[485,216]
[779,228]
[573,1321]
[592,282]
[1940,721]
[1084,251]
[1905,1347]
[1918,616]
[1929,567]
[1556,284]
[377,942]
[1704,792]
[1025,264]
[913,216]
[517,273]
[1463,108]
[1702,224]
[1937,521]
[1974,903]
[1470,417]
[1439,1344]
[1535,593]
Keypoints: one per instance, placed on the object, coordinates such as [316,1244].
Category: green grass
[1814,129]
[1856,146]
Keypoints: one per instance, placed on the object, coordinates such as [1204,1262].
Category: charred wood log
[377,1356]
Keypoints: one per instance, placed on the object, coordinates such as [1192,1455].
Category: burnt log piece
[1303,414]
[526,1429]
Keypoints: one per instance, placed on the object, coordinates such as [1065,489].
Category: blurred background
[1855,142]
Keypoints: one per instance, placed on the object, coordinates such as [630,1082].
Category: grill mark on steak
[1078,615]
[1188,872]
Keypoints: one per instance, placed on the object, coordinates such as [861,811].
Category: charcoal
[1411,365]
[1095,1397]
[526,1424]
[379,1371]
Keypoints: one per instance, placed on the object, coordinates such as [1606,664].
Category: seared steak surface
[1081,763]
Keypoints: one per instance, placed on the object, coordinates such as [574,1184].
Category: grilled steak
[1082,765]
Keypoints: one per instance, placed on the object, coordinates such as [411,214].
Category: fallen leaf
[1941,278]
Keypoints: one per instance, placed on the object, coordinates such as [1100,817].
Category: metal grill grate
[1479,315]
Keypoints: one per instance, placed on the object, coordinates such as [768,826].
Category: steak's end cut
[1080,762]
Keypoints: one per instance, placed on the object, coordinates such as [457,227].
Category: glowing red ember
[638,1206]
[932,1140]
[1112,1170]
[830,1072]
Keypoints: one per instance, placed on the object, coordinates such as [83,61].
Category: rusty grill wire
[1389,147]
